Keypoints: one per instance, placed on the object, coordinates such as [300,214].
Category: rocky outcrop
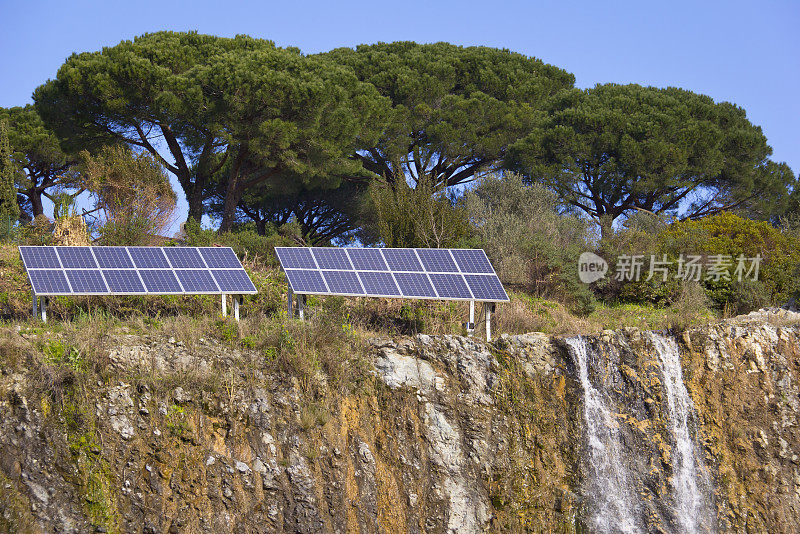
[446,434]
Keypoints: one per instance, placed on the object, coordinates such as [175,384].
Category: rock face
[449,435]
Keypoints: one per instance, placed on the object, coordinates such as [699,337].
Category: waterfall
[608,490]
[690,487]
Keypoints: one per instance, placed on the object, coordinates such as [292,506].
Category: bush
[245,241]
[532,244]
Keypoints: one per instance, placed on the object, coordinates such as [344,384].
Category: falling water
[609,492]
[692,510]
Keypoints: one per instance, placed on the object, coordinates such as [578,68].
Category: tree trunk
[194,198]
[37,208]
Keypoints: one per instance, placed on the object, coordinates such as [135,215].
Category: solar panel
[196,281]
[160,281]
[86,281]
[437,260]
[184,257]
[76,257]
[343,282]
[306,281]
[472,261]
[415,285]
[379,284]
[486,287]
[295,258]
[331,258]
[451,286]
[402,259]
[233,281]
[148,257]
[123,281]
[112,257]
[48,282]
[39,258]
[220,258]
[367,259]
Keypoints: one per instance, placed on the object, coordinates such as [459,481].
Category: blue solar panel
[148,257]
[220,258]
[86,281]
[331,258]
[123,281]
[306,281]
[437,260]
[39,257]
[233,281]
[48,281]
[112,257]
[196,281]
[415,285]
[486,287]
[472,261]
[76,257]
[367,259]
[402,259]
[295,258]
[451,286]
[343,282]
[160,281]
[184,257]
[379,284]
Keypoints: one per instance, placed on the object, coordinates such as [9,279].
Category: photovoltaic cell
[148,257]
[402,259]
[76,257]
[160,281]
[196,281]
[331,258]
[486,287]
[379,284]
[39,257]
[472,261]
[220,258]
[113,258]
[437,260]
[343,282]
[86,281]
[123,281]
[306,281]
[415,285]
[48,281]
[184,257]
[450,286]
[233,281]
[295,258]
[367,259]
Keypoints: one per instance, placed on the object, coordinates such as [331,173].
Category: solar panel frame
[220,257]
[451,286]
[300,278]
[86,281]
[34,257]
[76,257]
[296,258]
[43,280]
[486,287]
[226,280]
[367,259]
[113,258]
[148,258]
[191,283]
[340,282]
[331,259]
[156,285]
[402,260]
[416,285]
[437,260]
[184,258]
[370,279]
[114,277]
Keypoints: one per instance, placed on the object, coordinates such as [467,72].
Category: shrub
[244,240]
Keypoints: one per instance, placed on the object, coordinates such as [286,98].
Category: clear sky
[744,52]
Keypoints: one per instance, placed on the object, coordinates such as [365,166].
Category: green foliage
[405,217]
[9,209]
[614,148]
[248,244]
[531,243]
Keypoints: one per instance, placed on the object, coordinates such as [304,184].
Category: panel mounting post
[42,307]
[289,304]
[237,300]
[301,307]
[487,309]
[471,323]
[224,305]
[35,305]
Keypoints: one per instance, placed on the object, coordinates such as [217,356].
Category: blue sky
[743,52]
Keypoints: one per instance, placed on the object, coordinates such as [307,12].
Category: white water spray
[692,512]
[608,488]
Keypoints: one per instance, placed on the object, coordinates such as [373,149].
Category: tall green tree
[455,109]
[146,93]
[618,148]
[9,209]
[36,151]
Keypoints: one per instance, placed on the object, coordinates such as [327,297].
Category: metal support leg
[224,305]
[35,306]
[301,307]
[237,299]
[42,307]
[289,305]
[471,323]
[487,309]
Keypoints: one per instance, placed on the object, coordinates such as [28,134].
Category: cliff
[432,434]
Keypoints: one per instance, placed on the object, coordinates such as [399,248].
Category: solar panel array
[134,270]
[420,273]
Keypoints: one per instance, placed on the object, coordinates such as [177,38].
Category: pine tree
[9,209]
